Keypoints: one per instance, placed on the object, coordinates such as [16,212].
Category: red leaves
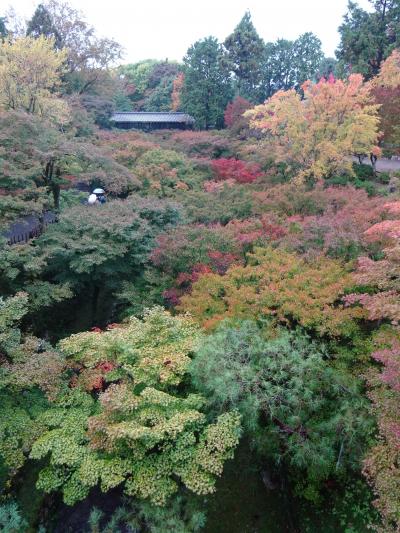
[106,366]
[236,169]
[92,379]
[197,271]
[234,111]
[381,464]
[172,296]
[219,263]
[393,208]
[383,275]
[383,231]
[176,92]
[390,358]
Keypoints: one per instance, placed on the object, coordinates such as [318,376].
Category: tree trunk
[95,302]
[373,158]
[56,197]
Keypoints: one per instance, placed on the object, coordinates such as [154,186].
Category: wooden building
[152,121]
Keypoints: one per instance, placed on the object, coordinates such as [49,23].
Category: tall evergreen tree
[245,53]
[3,27]
[309,56]
[288,64]
[41,23]
[207,88]
[367,39]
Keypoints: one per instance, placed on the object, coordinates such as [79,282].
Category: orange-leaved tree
[389,75]
[386,90]
[280,287]
[319,133]
[177,91]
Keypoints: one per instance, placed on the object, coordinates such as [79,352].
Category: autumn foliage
[381,465]
[235,169]
[319,134]
[280,287]
[176,92]
[389,75]
[30,75]
[276,254]
[386,90]
[234,112]
[384,274]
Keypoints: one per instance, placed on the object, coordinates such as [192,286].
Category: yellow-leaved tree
[386,90]
[389,75]
[319,133]
[30,75]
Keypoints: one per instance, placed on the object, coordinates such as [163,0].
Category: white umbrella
[98,191]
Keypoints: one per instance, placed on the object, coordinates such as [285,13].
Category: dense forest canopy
[209,342]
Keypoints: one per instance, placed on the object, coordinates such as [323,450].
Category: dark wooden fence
[29,227]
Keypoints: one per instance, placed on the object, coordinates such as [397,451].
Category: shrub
[141,432]
[278,286]
[11,520]
[240,171]
[220,206]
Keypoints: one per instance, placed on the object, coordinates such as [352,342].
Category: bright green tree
[143,432]
[136,76]
[29,372]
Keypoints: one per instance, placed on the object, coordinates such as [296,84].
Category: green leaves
[207,86]
[11,312]
[295,406]
[143,431]
[245,51]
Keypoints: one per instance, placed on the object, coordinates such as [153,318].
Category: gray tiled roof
[143,116]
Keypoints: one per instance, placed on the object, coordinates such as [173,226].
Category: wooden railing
[29,227]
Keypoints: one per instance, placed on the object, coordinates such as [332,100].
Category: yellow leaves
[151,351]
[280,286]
[319,133]
[30,74]
[142,433]
[389,75]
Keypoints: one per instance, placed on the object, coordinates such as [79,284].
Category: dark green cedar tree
[207,88]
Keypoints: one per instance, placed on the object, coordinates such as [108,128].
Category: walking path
[383,164]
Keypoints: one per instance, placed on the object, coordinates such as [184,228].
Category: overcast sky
[166,28]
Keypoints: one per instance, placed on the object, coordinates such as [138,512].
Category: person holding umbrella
[98,196]
[101,195]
